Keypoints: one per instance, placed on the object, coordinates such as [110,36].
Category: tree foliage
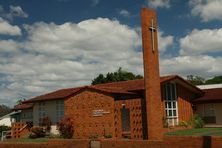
[4,110]
[214,80]
[119,75]
[195,80]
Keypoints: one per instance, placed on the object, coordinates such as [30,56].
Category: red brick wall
[168,142]
[135,118]
[19,130]
[151,76]
[80,109]
[184,105]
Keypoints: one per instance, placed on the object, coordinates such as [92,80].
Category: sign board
[99,112]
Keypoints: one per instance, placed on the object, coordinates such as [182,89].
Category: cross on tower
[153,29]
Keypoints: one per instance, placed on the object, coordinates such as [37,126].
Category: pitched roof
[210,95]
[23,106]
[123,87]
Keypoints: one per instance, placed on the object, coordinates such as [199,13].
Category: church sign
[99,112]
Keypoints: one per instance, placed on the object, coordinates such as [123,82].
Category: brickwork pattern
[81,107]
[167,142]
[135,118]
[154,107]
[185,110]
[19,129]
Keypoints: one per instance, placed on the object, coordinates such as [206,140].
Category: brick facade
[134,105]
[19,129]
[154,107]
[185,110]
[81,107]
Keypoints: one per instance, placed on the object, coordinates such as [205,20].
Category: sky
[54,44]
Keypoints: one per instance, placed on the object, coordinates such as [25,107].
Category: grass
[197,132]
[37,140]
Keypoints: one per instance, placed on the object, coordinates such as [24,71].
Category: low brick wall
[168,142]
[193,141]
[66,143]
[130,144]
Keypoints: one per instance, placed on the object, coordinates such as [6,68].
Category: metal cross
[153,29]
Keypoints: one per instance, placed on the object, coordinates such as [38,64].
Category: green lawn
[28,140]
[197,132]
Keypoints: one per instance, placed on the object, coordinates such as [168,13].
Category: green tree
[119,75]
[4,110]
[20,101]
[196,80]
[214,80]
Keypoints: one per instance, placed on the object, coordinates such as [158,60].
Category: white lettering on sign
[99,112]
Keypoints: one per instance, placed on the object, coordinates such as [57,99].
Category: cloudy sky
[53,44]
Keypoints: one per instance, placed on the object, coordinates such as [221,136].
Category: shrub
[196,121]
[65,127]
[46,122]
[165,123]
[108,136]
[4,128]
[184,124]
[94,137]
[37,132]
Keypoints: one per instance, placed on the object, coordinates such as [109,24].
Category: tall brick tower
[153,101]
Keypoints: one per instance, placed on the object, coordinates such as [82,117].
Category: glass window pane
[174,104]
[174,113]
[169,105]
[170,113]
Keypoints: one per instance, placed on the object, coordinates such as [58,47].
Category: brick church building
[136,109]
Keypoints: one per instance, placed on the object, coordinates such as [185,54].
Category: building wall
[86,109]
[26,115]
[6,121]
[185,110]
[50,110]
[136,129]
[202,110]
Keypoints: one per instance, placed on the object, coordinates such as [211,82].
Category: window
[59,109]
[42,112]
[171,108]
[125,117]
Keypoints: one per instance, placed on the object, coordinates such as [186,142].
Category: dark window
[125,117]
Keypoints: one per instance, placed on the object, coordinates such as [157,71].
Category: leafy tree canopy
[197,80]
[119,75]
[214,80]
[4,110]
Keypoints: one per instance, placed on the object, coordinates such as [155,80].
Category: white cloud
[14,11]
[124,13]
[8,46]
[72,54]
[201,41]
[207,9]
[164,42]
[159,3]
[8,29]
[201,65]
[67,55]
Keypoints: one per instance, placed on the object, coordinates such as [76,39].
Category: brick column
[153,101]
